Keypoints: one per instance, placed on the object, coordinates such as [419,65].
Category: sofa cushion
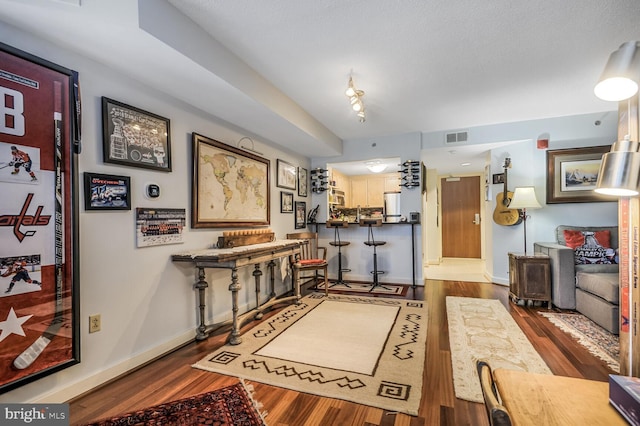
[590,247]
[603,285]
[598,310]
[598,260]
[613,233]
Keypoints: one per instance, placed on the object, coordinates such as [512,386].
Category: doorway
[460,207]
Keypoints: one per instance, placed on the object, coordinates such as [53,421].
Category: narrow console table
[234,258]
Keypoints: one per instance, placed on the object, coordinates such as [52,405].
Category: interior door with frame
[460,206]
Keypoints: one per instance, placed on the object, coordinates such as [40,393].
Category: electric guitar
[503,215]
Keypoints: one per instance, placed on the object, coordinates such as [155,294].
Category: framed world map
[230,186]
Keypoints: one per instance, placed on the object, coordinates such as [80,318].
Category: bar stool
[371,242]
[336,225]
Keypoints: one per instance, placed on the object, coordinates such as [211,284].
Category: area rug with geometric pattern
[484,329]
[229,406]
[367,350]
[598,341]
[353,287]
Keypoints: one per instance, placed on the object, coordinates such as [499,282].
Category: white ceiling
[278,69]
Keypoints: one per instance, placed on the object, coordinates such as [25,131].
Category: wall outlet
[94,323]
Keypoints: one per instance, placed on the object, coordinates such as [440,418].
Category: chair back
[309,250]
[497,413]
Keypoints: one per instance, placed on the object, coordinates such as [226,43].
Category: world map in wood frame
[230,186]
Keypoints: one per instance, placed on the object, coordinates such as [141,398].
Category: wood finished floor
[172,377]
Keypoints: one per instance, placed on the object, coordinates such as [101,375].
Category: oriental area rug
[367,350]
[229,406]
[382,289]
[598,341]
[483,329]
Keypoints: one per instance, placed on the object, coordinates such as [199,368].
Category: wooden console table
[234,258]
[544,399]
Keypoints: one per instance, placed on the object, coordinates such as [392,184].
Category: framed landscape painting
[39,298]
[230,186]
[572,175]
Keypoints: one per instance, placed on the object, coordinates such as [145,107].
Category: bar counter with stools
[337,242]
[400,258]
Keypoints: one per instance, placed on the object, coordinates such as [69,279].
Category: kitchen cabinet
[368,191]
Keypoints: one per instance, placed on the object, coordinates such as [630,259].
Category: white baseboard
[102,377]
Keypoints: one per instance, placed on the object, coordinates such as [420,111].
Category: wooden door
[460,201]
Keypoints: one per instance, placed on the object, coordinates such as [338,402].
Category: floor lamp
[524,197]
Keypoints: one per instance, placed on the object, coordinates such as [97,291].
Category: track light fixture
[355,98]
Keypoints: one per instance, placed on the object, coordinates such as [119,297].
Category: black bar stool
[371,242]
[336,225]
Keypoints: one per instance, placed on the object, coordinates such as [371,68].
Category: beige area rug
[367,350]
[483,329]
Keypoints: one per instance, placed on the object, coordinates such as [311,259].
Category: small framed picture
[301,214]
[134,137]
[286,175]
[286,202]
[498,178]
[107,192]
[302,182]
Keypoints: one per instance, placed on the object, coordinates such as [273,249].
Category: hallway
[457,269]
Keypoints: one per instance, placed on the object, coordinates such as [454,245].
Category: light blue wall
[529,168]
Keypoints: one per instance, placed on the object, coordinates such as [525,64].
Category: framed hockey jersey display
[39,137]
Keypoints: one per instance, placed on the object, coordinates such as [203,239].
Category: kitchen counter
[399,257]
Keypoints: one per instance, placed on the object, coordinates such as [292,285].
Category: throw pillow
[590,247]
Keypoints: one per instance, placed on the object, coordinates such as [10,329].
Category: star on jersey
[12,325]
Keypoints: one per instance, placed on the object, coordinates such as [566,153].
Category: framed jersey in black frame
[39,141]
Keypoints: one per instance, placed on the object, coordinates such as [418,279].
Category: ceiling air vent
[456,137]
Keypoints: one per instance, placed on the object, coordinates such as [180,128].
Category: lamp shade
[619,173]
[619,80]
[524,197]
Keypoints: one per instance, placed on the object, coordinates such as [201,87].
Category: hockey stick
[29,355]
[5,166]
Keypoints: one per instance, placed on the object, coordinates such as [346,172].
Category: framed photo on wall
[134,137]
[230,186]
[159,226]
[286,175]
[301,214]
[302,182]
[286,202]
[106,192]
[572,175]
[39,299]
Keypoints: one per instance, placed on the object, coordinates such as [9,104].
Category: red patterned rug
[229,406]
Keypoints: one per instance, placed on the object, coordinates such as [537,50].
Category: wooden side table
[529,277]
